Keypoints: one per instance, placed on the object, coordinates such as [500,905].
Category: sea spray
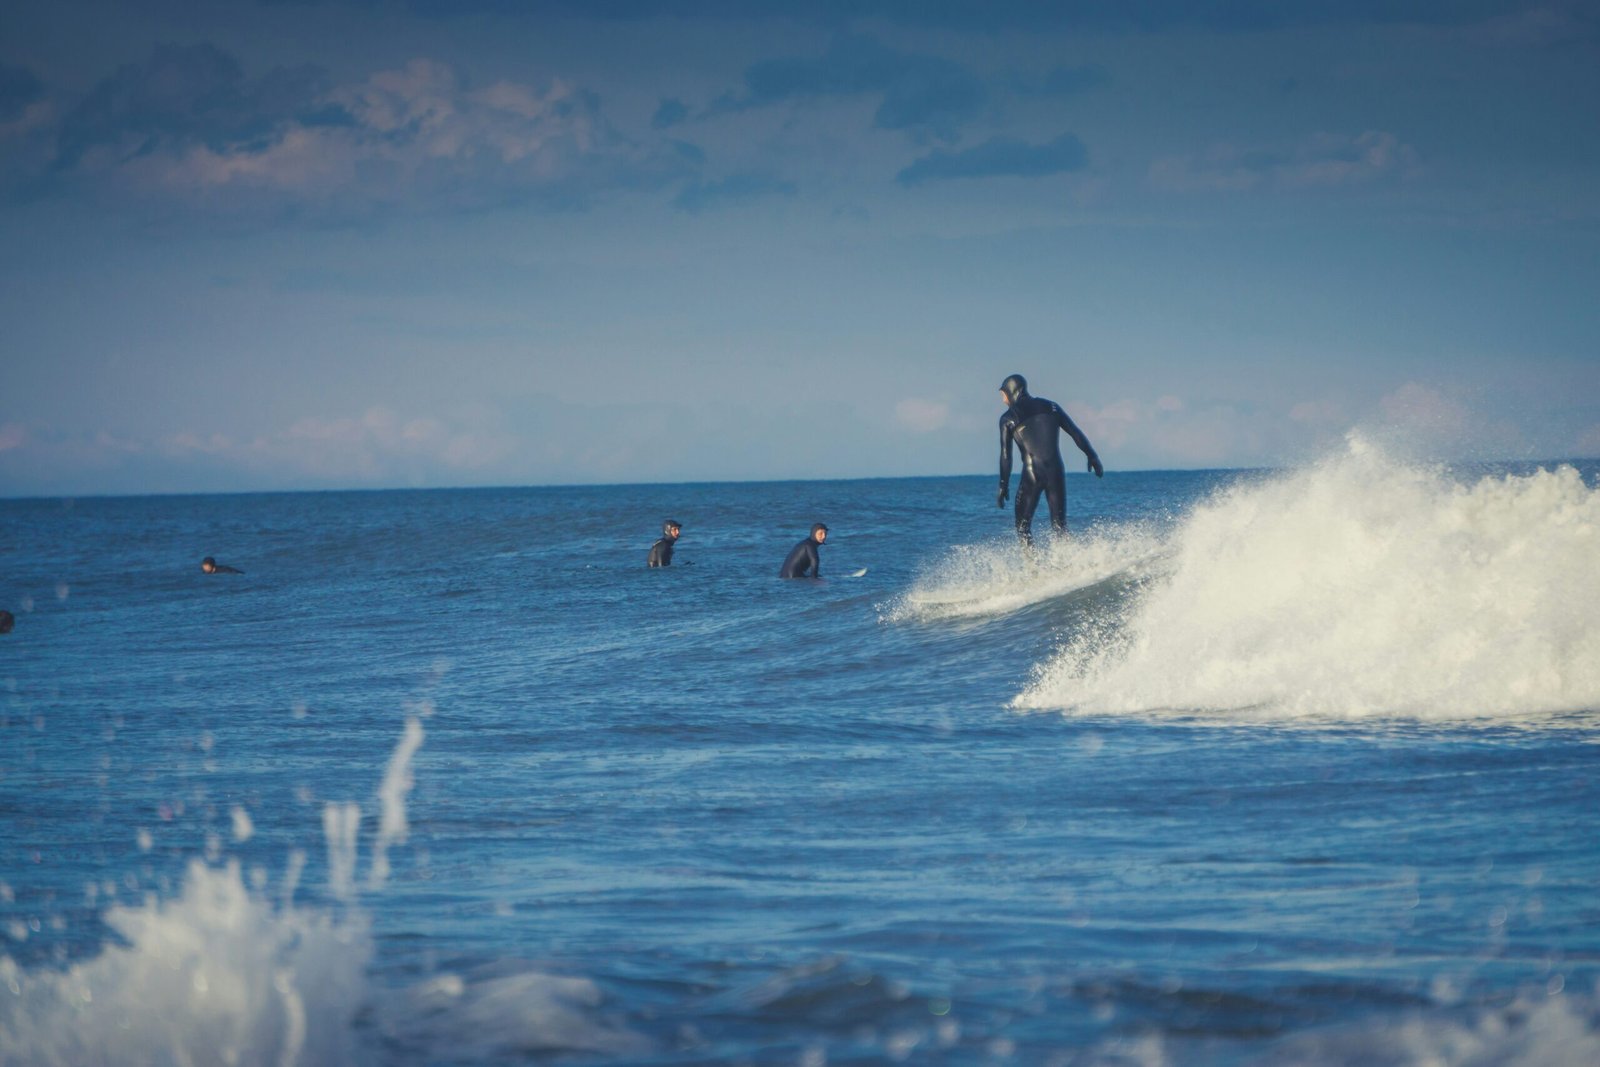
[397,782]
[221,974]
[341,828]
[218,974]
[1359,587]
[998,578]
[215,975]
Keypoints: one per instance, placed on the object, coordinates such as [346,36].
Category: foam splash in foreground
[224,974]
[1359,587]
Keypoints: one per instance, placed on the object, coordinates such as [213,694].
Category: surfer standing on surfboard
[1034,424]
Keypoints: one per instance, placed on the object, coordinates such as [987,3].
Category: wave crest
[1359,587]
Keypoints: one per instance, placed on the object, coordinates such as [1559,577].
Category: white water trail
[1356,588]
[990,580]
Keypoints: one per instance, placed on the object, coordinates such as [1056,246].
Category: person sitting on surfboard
[803,561]
[211,566]
[1034,423]
[661,551]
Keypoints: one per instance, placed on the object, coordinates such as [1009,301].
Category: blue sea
[1270,767]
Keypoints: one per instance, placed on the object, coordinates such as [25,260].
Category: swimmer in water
[661,551]
[803,561]
[7,621]
[1034,424]
[211,566]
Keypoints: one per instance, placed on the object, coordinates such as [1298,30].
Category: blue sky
[371,243]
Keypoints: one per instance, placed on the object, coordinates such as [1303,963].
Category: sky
[307,244]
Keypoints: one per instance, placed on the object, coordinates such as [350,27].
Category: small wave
[990,580]
[1359,587]
[1537,1027]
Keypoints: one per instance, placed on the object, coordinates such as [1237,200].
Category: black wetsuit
[661,552]
[1035,423]
[803,561]
[223,568]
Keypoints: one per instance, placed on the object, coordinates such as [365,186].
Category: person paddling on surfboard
[803,561]
[1035,424]
[211,566]
[661,551]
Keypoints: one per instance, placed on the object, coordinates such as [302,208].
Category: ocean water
[1255,768]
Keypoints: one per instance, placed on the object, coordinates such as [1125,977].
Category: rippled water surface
[1257,768]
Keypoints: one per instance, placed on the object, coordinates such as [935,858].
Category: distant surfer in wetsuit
[1034,424]
[211,566]
[803,561]
[661,551]
[7,621]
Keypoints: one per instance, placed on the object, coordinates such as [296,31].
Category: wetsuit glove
[1094,465]
[1005,494]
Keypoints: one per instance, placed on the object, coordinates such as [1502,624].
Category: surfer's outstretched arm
[1080,440]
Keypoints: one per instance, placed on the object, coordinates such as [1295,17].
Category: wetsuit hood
[1015,387]
[817,528]
[667,528]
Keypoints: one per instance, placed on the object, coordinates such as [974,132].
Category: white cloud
[1318,413]
[12,435]
[378,444]
[922,416]
[1323,160]
[1419,407]
[1172,431]
[1588,443]
[417,134]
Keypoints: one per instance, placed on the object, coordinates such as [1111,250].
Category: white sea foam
[226,974]
[1534,1030]
[1359,587]
[987,580]
[215,975]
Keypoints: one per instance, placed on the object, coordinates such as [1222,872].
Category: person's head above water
[819,532]
[671,529]
[208,565]
[7,621]
[1014,388]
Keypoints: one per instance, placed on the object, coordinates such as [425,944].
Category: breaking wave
[1358,587]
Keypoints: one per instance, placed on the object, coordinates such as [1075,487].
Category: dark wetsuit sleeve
[661,553]
[1007,431]
[1073,432]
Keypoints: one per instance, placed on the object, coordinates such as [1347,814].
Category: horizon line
[565,485]
[33,497]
